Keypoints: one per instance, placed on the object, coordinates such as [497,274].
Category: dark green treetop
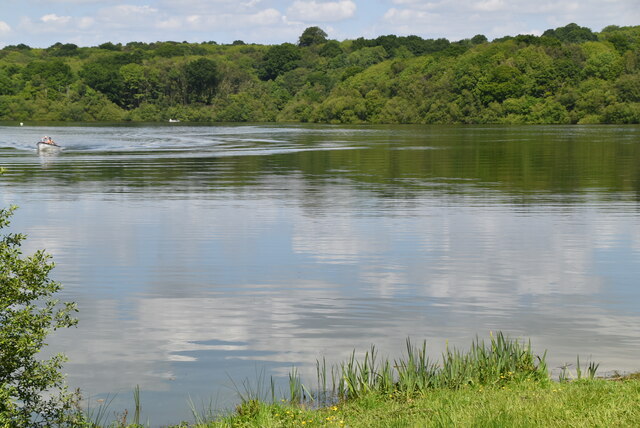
[312,36]
[278,60]
[571,33]
[202,79]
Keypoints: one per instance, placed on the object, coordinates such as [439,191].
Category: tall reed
[498,362]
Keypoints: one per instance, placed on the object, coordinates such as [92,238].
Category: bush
[32,392]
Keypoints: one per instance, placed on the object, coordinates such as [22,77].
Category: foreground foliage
[497,363]
[496,384]
[585,403]
[568,75]
[32,391]
[500,383]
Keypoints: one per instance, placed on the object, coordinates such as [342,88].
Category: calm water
[203,254]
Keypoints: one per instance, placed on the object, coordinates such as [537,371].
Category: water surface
[200,254]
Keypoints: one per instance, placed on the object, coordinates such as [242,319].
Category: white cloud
[262,18]
[86,23]
[127,15]
[408,16]
[415,3]
[218,22]
[55,19]
[496,18]
[489,5]
[76,1]
[313,11]
[276,21]
[4,28]
[60,25]
[199,7]
[412,21]
[174,23]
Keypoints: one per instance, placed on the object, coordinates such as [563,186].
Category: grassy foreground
[585,403]
[496,384]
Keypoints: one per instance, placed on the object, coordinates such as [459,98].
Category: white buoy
[21,123]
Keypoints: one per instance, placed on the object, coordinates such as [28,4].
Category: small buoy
[21,123]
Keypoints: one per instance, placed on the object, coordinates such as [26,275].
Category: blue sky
[41,23]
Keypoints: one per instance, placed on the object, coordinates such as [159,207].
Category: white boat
[48,147]
[174,120]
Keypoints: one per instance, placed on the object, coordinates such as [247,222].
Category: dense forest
[568,75]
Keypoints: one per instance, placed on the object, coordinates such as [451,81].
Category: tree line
[568,74]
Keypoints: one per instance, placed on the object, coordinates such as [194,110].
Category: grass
[585,403]
[494,384]
[496,363]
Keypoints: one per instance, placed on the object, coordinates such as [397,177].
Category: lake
[201,256]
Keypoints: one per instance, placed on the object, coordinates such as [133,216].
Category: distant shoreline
[568,75]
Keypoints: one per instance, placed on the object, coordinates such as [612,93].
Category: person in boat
[47,140]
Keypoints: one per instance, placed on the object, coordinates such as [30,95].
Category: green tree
[19,47]
[202,78]
[572,33]
[278,60]
[312,36]
[603,61]
[140,84]
[104,76]
[330,49]
[110,46]
[628,87]
[53,74]
[503,81]
[6,86]
[366,57]
[478,39]
[59,49]
[171,49]
[32,391]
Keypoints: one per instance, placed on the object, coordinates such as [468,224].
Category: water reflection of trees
[456,162]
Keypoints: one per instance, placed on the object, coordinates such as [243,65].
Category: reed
[98,417]
[296,389]
[102,417]
[496,363]
[208,410]
[418,372]
[136,400]
[256,390]
[566,375]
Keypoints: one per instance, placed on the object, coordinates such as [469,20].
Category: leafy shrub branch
[32,390]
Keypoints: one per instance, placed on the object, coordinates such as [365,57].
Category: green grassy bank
[585,403]
[499,383]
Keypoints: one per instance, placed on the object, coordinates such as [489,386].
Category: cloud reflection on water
[214,272]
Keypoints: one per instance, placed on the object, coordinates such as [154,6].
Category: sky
[41,23]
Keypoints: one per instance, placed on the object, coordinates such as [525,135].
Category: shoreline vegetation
[499,383]
[567,75]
